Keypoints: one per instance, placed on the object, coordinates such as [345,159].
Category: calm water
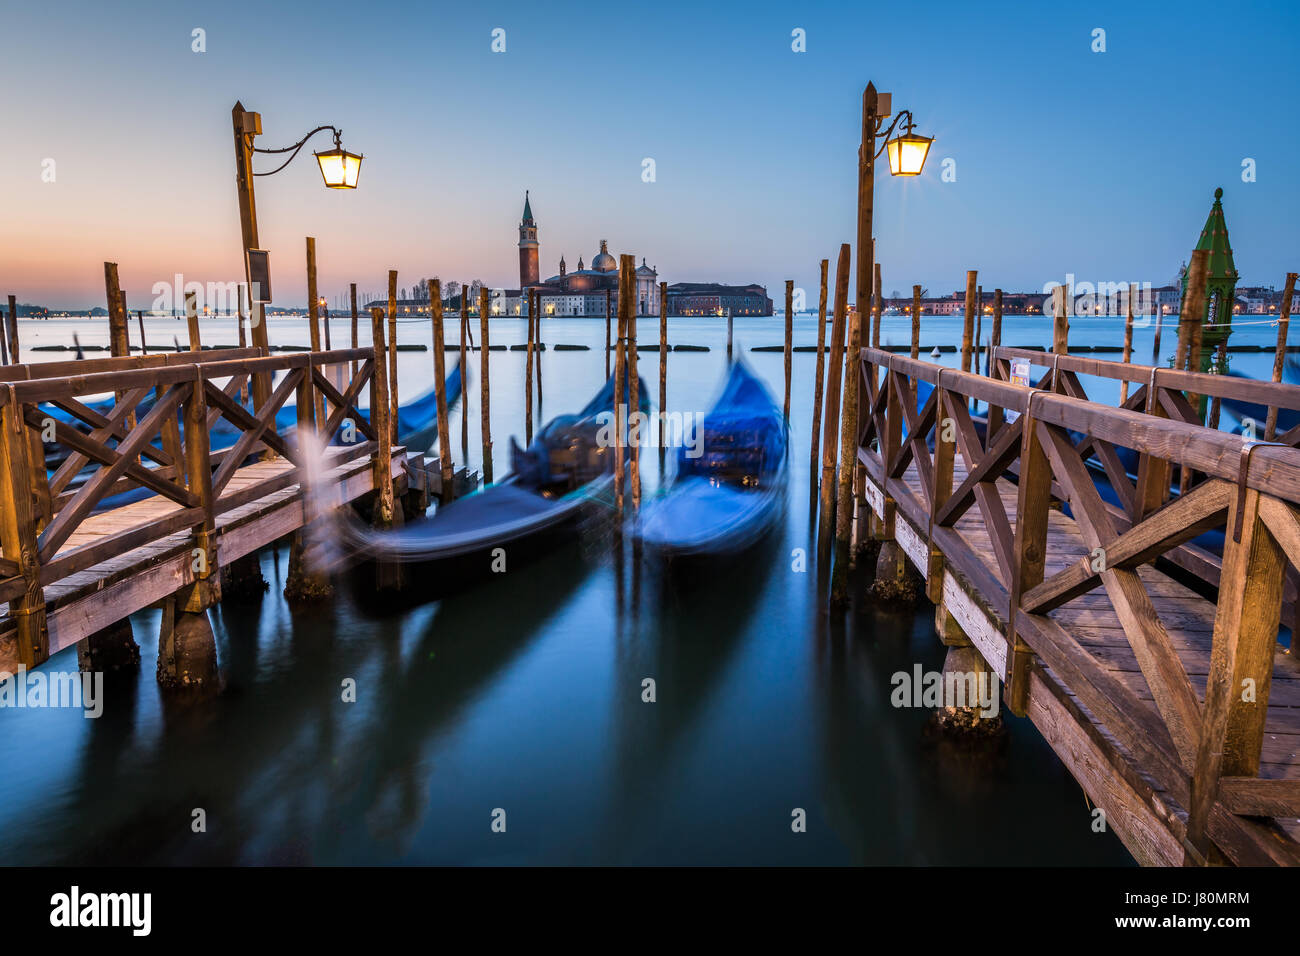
[525,694]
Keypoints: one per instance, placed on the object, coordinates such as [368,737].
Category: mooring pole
[1279,359]
[393,401]
[818,382]
[313,323]
[13,331]
[789,340]
[634,391]
[608,344]
[192,321]
[968,326]
[730,334]
[485,390]
[916,321]
[663,371]
[383,460]
[831,428]
[353,290]
[879,303]
[446,494]
[528,376]
[620,384]
[979,326]
[1128,341]
[464,379]
[537,351]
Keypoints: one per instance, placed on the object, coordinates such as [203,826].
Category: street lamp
[907,151]
[339,169]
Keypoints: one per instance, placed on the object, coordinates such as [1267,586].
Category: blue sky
[1066,160]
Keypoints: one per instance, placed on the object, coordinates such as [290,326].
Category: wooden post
[1279,357]
[1155,344]
[352,289]
[14,356]
[819,379]
[916,321]
[1033,499]
[1245,634]
[831,427]
[1128,340]
[18,532]
[243,123]
[731,328]
[663,370]
[620,381]
[192,322]
[440,386]
[383,460]
[995,338]
[1192,308]
[848,453]
[1220,365]
[118,339]
[879,307]
[537,351]
[633,388]
[1061,321]
[485,391]
[313,322]
[464,377]
[608,343]
[393,401]
[528,376]
[789,339]
[968,327]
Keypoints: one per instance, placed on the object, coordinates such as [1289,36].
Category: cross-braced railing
[175,431]
[1033,471]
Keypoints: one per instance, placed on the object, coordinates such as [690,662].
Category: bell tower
[528,264]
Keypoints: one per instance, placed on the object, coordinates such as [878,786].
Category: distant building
[710,298]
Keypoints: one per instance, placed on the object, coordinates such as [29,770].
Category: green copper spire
[1220,285]
[528,212]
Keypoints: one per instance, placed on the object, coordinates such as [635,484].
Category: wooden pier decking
[75,561]
[1150,664]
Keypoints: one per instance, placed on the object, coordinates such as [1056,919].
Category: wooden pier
[72,567]
[1148,662]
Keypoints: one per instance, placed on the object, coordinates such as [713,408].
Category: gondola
[729,495]
[568,467]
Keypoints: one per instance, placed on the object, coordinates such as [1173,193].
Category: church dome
[604,262]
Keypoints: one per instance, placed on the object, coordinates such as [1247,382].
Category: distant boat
[727,498]
[567,468]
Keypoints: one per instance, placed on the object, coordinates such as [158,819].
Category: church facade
[580,292]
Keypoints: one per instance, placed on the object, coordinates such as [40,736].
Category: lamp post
[339,169]
[907,154]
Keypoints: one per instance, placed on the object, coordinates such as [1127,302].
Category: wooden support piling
[352,290]
[916,321]
[877,306]
[620,383]
[14,355]
[789,340]
[446,494]
[819,378]
[995,337]
[379,410]
[394,403]
[1279,357]
[831,427]
[608,327]
[313,321]
[851,403]
[485,390]
[192,322]
[979,326]
[663,370]
[968,326]
[464,374]
[537,352]
[528,375]
[634,394]
[731,330]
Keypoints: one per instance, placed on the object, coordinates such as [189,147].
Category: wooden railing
[157,435]
[1205,755]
